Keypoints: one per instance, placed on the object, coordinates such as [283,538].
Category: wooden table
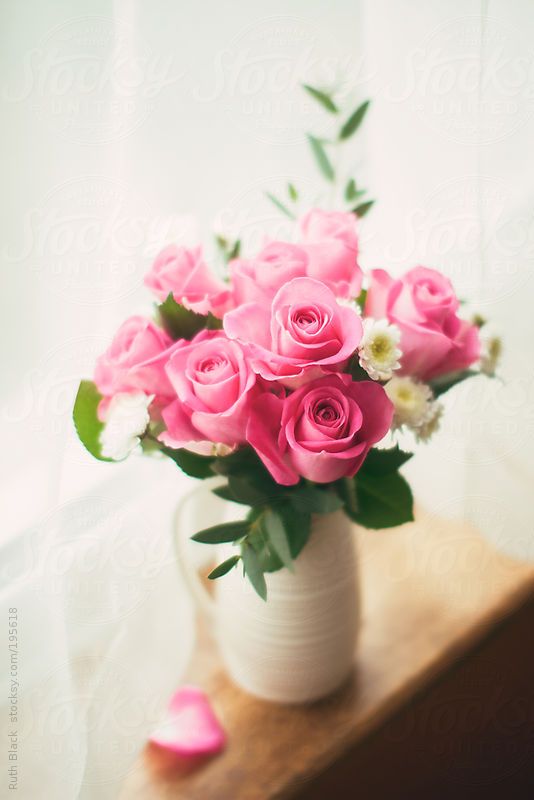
[445,658]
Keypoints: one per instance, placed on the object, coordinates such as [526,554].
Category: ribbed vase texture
[299,645]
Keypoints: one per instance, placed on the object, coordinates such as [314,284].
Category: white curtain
[126,124]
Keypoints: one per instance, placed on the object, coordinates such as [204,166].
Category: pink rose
[434,340]
[321,432]
[135,361]
[303,333]
[214,385]
[330,240]
[259,279]
[184,272]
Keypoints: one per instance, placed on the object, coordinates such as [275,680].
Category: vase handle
[197,500]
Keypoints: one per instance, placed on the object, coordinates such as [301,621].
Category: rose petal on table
[190,727]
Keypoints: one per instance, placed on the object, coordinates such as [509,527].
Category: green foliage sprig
[322,149]
[278,522]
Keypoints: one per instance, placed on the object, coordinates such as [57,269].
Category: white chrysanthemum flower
[490,355]
[349,302]
[414,406]
[127,418]
[379,352]
[431,424]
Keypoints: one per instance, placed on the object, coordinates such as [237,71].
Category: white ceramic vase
[297,646]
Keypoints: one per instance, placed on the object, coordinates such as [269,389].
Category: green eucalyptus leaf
[253,569]
[445,382]
[224,567]
[323,162]
[247,491]
[259,540]
[225,493]
[346,488]
[239,462]
[351,191]
[246,465]
[279,205]
[193,464]
[383,501]
[273,525]
[361,210]
[380,462]
[292,192]
[312,500]
[269,561]
[219,534]
[236,249]
[85,417]
[297,525]
[322,97]
[354,121]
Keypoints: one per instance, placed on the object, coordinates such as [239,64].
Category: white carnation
[379,352]
[414,406]
[127,418]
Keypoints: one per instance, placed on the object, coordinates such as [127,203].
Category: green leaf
[383,501]
[356,371]
[352,193]
[192,464]
[322,97]
[292,192]
[213,323]
[247,492]
[279,205]
[240,462]
[223,568]
[347,491]
[350,190]
[380,462]
[362,297]
[236,249]
[245,464]
[227,532]
[297,526]
[85,417]
[253,569]
[274,527]
[322,159]
[354,121]
[445,382]
[268,559]
[182,323]
[225,493]
[313,500]
[228,250]
[259,540]
[363,208]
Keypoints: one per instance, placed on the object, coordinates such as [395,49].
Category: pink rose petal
[190,728]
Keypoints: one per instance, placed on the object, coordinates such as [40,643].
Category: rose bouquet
[289,378]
